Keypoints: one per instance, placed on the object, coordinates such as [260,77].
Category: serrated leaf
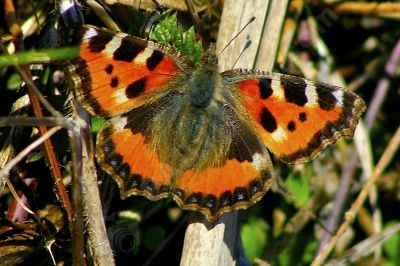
[169,32]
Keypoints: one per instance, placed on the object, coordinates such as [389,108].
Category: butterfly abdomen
[193,137]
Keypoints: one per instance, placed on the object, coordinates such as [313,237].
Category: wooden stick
[207,244]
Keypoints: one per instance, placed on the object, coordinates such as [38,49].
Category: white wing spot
[120,96]
[258,161]
[279,135]
[89,34]
[143,56]
[113,45]
[119,123]
[311,93]
[339,96]
[277,88]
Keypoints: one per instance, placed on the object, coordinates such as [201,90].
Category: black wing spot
[109,69]
[210,202]
[98,42]
[124,171]
[302,117]
[115,161]
[195,198]
[326,100]
[291,126]
[240,194]
[136,88]
[114,82]
[127,51]
[154,60]
[295,90]
[265,88]
[255,186]
[149,186]
[134,181]
[268,121]
[226,199]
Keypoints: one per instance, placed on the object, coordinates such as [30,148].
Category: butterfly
[193,133]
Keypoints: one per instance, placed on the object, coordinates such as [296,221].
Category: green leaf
[300,251]
[168,32]
[254,237]
[97,123]
[392,245]
[34,156]
[14,82]
[299,187]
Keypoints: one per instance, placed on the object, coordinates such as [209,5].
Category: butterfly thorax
[204,80]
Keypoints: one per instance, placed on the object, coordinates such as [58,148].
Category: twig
[11,18]
[23,72]
[350,165]
[383,86]
[365,247]
[289,30]
[367,8]
[97,233]
[103,15]
[349,217]
[6,169]
[36,97]
[346,178]
[32,121]
[149,5]
[198,24]
[296,224]
[78,248]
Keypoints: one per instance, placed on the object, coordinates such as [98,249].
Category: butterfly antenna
[248,43]
[237,34]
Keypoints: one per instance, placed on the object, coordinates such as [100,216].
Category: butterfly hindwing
[236,180]
[295,117]
[115,72]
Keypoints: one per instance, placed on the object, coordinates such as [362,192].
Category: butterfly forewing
[295,117]
[115,71]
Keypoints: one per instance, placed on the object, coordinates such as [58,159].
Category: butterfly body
[195,133]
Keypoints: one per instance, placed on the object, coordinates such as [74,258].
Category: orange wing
[233,185]
[115,71]
[135,167]
[296,118]
[130,147]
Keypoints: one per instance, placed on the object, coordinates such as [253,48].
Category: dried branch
[352,212]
